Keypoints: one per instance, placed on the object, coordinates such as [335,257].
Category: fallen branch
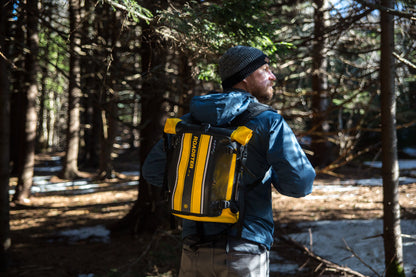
[358,257]
[329,266]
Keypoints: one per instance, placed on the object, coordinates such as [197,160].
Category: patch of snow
[46,186]
[352,186]
[376,181]
[95,233]
[41,179]
[403,164]
[334,188]
[410,151]
[281,265]
[331,196]
[329,239]
[48,169]
[130,173]
[131,183]
[332,191]
[42,184]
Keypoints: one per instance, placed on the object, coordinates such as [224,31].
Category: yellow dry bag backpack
[204,164]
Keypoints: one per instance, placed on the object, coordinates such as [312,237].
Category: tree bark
[90,15]
[320,146]
[148,212]
[108,105]
[392,232]
[17,119]
[25,177]
[70,166]
[41,138]
[5,240]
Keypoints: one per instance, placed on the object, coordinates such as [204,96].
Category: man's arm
[292,173]
[153,169]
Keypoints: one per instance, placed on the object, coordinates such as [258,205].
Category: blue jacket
[273,155]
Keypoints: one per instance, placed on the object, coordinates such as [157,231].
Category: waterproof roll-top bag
[203,169]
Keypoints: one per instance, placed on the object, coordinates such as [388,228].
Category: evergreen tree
[5,240]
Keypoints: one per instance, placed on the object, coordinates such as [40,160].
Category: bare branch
[7,60]
[410,16]
[330,265]
[359,258]
[404,60]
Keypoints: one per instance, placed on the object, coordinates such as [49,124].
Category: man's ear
[246,84]
[242,85]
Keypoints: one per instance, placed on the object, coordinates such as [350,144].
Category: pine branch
[129,10]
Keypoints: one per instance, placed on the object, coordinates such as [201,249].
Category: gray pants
[224,257]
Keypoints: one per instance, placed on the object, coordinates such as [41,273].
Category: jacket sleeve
[153,168]
[292,173]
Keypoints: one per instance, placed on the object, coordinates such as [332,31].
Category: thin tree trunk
[41,140]
[320,102]
[25,177]
[107,140]
[109,95]
[5,240]
[392,231]
[134,140]
[50,121]
[70,167]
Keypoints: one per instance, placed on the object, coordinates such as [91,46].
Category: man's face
[260,83]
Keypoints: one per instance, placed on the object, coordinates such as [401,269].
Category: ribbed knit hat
[238,63]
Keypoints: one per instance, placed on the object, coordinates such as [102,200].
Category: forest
[86,87]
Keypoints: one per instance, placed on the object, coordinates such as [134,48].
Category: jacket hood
[220,108]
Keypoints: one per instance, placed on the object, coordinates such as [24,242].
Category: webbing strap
[253,110]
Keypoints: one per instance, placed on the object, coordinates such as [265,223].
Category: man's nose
[272,77]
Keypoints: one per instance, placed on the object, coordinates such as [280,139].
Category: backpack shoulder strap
[253,110]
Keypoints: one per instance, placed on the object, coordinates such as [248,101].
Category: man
[273,156]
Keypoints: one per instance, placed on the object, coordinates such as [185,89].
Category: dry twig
[359,258]
[329,266]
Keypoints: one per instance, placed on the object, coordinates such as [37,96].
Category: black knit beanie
[238,63]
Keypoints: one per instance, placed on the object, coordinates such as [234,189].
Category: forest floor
[38,249]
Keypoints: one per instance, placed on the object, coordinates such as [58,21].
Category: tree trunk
[41,139]
[186,84]
[70,166]
[109,126]
[135,136]
[4,144]
[17,117]
[148,212]
[111,33]
[320,102]
[91,116]
[25,177]
[50,121]
[392,232]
